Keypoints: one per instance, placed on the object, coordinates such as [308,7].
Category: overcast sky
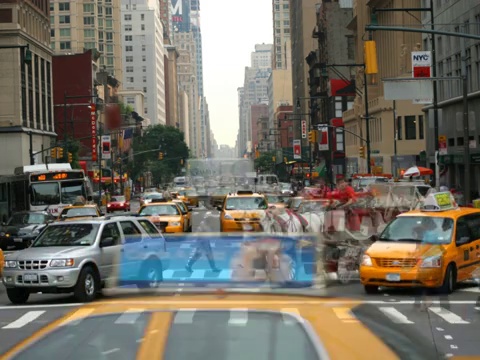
[230,30]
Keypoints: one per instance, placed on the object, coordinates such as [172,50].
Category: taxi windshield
[158,210]
[425,229]
[246,203]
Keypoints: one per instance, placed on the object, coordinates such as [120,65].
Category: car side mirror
[463,240]
[105,242]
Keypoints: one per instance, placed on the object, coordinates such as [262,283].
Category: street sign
[106,145]
[304,129]
[421,68]
[323,138]
[93,129]
[442,145]
[297,149]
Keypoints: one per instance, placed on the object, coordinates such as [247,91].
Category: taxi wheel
[449,281]
[371,289]
[18,296]
[87,285]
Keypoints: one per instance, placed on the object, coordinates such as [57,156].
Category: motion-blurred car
[118,203]
[242,211]
[286,189]
[294,202]
[148,197]
[22,228]
[76,212]
[217,196]
[166,215]
[276,200]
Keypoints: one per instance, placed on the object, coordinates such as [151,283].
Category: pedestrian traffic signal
[370,54]
[160,156]
[312,136]
[70,157]
[53,153]
[361,150]
[59,153]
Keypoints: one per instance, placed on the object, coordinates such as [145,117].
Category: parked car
[82,256]
[118,203]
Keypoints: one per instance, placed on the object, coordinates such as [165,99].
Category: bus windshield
[49,193]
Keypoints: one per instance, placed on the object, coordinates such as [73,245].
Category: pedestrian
[202,246]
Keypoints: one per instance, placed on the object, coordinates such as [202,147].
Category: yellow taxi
[191,197]
[434,247]
[242,211]
[2,261]
[76,212]
[187,214]
[166,215]
[224,326]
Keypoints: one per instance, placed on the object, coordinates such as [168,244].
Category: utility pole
[435,96]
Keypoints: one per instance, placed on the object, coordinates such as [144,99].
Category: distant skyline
[229,35]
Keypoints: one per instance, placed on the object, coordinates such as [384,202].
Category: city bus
[43,188]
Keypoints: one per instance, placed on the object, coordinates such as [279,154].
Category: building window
[129,59]
[100,36]
[129,48]
[144,58]
[65,45]
[88,20]
[351,48]
[142,17]
[128,17]
[129,69]
[399,128]
[65,33]
[109,48]
[128,37]
[144,68]
[410,128]
[108,11]
[89,45]
[64,6]
[143,27]
[145,90]
[88,8]
[64,19]
[128,27]
[52,33]
[109,36]
[131,101]
[110,61]
[130,79]
[52,20]
[87,33]
[421,128]
[100,10]
[144,47]
[144,79]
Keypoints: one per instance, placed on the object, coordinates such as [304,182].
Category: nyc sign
[421,64]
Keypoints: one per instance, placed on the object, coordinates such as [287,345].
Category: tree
[125,109]
[265,161]
[159,138]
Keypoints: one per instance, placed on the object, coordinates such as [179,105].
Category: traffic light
[285,160]
[370,54]
[273,158]
[70,157]
[312,136]
[53,153]
[160,156]
[59,153]
[27,57]
[362,152]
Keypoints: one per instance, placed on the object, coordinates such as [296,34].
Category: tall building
[171,86]
[26,99]
[166,18]
[188,40]
[282,54]
[144,55]
[88,24]
[302,21]
[465,15]
[254,91]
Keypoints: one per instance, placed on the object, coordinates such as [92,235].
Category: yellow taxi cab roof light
[162,200]
[440,201]
[244,192]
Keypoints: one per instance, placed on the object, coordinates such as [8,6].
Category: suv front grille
[32,264]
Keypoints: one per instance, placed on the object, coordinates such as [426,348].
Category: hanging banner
[323,138]
[442,145]
[297,149]
[304,129]
[93,129]
[106,145]
[422,68]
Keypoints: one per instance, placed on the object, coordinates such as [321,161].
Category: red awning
[337,122]
[340,87]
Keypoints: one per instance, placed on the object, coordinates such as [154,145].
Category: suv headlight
[62,263]
[432,262]
[174,223]
[10,264]
[366,260]
[228,217]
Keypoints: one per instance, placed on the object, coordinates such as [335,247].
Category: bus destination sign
[54,176]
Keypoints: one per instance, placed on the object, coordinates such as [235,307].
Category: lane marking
[447,315]
[238,317]
[39,306]
[78,316]
[184,316]
[394,315]
[24,320]
[345,314]
[130,316]
[448,337]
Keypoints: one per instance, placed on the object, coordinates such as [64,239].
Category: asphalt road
[452,323]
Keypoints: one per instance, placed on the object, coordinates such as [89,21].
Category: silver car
[83,256]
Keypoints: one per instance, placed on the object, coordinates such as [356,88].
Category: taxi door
[465,244]
[473,222]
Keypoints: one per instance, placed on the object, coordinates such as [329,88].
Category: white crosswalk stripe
[184,316]
[396,316]
[447,315]
[24,320]
[130,316]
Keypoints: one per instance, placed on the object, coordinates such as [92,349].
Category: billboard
[181,15]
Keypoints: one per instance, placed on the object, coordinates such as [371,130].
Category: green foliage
[125,109]
[265,162]
[166,139]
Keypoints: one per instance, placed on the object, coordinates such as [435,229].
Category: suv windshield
[435,230]
[246,203]
[68,235]
[26,219]
[158,210]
